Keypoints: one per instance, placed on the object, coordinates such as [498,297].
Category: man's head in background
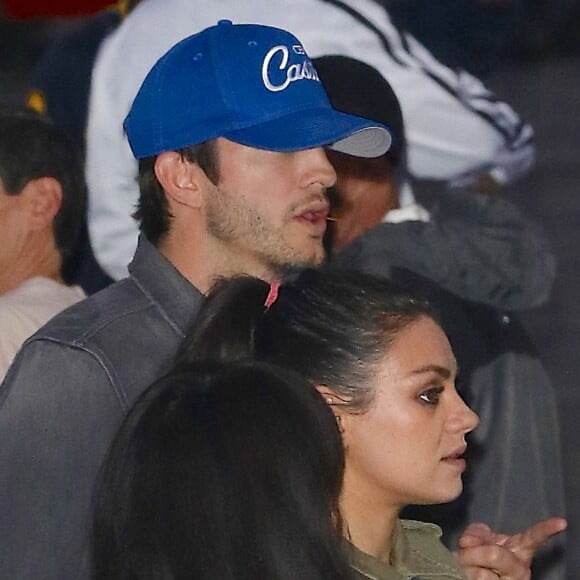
[42,198]
[229,127]
[365,189]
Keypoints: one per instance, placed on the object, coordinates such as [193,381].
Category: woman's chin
[445,496]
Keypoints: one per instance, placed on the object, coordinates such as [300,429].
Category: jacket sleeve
[111,169]
[481,248]
[455,127]
[58,413]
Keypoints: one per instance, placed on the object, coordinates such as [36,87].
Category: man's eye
[431,396]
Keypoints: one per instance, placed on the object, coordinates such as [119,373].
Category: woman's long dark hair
[332,326]
[229,471]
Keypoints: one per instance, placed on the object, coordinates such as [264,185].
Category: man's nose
[318,169]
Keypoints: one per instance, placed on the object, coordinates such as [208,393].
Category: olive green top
[417,553]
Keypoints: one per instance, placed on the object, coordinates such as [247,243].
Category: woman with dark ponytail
[386,369]
[231,466]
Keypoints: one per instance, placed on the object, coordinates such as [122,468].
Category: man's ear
[182,180]
[44,200]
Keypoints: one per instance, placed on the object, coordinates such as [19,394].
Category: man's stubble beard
[236,223]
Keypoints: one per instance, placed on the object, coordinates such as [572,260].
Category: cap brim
[317,128]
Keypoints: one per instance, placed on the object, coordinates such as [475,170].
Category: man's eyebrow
[443,372]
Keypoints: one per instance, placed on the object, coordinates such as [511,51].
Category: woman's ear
[338,408]
[183,181]
[328,395]
[332,399]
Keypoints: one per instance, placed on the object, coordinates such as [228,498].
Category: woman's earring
[330,401]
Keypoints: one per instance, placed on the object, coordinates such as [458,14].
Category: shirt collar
[157,277]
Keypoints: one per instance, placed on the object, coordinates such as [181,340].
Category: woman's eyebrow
[443,372]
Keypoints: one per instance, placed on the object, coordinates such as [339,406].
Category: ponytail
[331,326]
[225,327]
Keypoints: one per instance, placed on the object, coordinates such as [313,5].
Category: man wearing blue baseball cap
[229,127]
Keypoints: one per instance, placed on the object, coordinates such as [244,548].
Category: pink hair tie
[272,294]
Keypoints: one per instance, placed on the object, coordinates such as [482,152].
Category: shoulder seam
[97,354]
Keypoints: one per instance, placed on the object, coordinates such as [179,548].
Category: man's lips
[313,214]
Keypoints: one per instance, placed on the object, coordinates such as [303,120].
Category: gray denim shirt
[62,402]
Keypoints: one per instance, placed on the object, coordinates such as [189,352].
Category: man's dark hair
[153,210]
[31,147]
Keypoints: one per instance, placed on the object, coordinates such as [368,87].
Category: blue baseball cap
[251,84]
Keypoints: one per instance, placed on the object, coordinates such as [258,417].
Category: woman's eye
[431,396]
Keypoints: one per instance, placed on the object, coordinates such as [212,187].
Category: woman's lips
[456,458]
[457,462]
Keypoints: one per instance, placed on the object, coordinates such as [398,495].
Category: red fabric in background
[44,8]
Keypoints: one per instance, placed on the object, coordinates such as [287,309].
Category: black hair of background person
[356,87]
[223,471]
[60,85]
[31,147]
